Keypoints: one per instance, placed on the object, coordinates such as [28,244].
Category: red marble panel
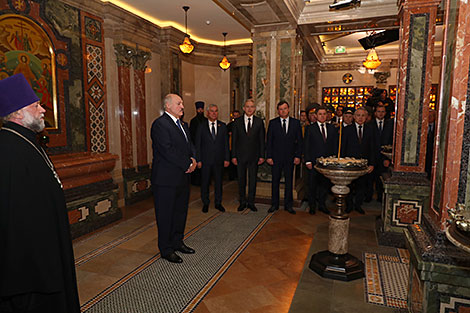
[85,168]
[125,116]
[74,216]
[91,79]
[141,117]
[407,9]
[458,94]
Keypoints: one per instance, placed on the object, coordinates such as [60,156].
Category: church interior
[101,69]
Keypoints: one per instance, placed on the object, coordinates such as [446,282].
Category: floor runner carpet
[386,281]
[159,286]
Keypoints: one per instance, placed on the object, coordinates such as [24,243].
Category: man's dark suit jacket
[248,148]
[351,147]
[210,151]
[386,137]
[171,152]
[315,147]
[281,146]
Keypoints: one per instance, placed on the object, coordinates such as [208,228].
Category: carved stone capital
[381,77]
[139,59]
[124,54]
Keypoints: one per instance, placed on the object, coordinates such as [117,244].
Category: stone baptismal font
[336,262]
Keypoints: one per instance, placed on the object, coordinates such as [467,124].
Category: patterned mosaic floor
[181,287]
[386,281]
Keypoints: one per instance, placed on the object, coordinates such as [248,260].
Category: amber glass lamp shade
[186,46]
[224,64]
[372,61]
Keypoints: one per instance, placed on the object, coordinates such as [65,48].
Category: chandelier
[372,60]
[186,46]
[224,64]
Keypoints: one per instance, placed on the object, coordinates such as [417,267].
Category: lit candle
[340,132]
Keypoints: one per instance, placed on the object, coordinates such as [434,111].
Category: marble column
[139,60]
[274,79]
[407,190]
[439,269]
[124,61]
[244,86]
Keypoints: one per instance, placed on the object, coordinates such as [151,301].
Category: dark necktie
[323,132]
[360,133]
[213,131]
[248,128]
[284,127]
[181,128]
[380,126]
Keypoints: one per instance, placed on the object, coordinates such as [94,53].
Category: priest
[37,272]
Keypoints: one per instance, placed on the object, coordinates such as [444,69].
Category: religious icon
[26,48]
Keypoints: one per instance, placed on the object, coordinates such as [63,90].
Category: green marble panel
[285,86]
[311,86]
[414,90]
[65,19]
[445,104]
[261,78]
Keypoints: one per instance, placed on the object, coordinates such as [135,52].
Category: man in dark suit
[383,133]
[212,155]
[283,151]
[194,124]
[321,140]
[359,142]
[232,168]
[248,152]
[173,161]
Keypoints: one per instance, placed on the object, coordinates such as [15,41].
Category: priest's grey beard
[35,124]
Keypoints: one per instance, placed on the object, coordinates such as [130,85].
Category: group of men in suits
[176,157]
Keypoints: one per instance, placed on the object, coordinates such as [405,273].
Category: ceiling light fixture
[186,46]
[372,61]
[224,64]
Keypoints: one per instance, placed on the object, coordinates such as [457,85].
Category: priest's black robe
[37,271]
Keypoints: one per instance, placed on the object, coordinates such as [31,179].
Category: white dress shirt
[215,126]
[246,121]
[324,126]
[287,122]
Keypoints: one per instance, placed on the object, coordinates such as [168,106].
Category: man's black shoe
[272,209]
[205,208]
[360,210]
[367,199]
[252,207]
[241,207]
[220,207]
[290,210]
[311,210]
[348,209]
[185,249]
[173,258]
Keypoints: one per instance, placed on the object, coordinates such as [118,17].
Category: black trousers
[171,209]
[358,192]
[207,171]
[318,186]
[288,168]
[35,303]
[242,169]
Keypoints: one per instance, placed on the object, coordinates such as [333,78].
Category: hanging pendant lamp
[224,64]
[186,46]
[372,61]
